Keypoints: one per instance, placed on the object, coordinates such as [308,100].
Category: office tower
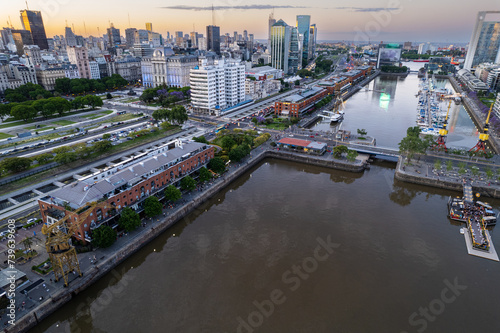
[32,21]
[245,35]
[250,43]
[179,38]
[213,38]
[69,36]
[78,56]
[296,52]
[130,36]
[280,45]
[194,39]
[21,38]
[235,36]
[313,34]
[141,36]
[149,27]
[114,36]
[303,25]
[484,43]
[271,22]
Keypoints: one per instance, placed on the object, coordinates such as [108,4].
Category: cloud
[367,9]
[267,7]
[198,8]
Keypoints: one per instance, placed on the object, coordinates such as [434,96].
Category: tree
[449,165]
[104,236]
[16,164]
[160,114]
[148,95]
[129,219]
[63,85]
[362,132]
[217,165]
[61,105]
[106,136]
[64,158]
[238,153]
[205,175]
[5,110]
[93,101]
[152,206]
[77,103]
[102,146]
[27,242]
[412,144]
[109,96]
[339,150]
[351,155]
[188,183]
[44,158]
[227,142]
[178,114]
[172,193]
[49,108]
[437,164]
[23,112]
[200,139]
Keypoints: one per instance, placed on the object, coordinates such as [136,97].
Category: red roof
[295,142]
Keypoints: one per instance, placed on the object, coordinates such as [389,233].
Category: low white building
[94,70]
[258,89]
[215,88]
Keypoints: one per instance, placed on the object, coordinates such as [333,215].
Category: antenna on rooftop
[213,15]
[85,28]
[66,23]
[11,23]
[73,25]
[27,8]
[98,32]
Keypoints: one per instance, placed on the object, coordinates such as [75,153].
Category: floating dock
[490,254]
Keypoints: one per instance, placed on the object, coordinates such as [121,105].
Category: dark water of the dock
[396,264]
[389,107]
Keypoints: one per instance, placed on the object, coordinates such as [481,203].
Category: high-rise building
[313,34]
[245,35]
[33,53]
[78,55]
[271,22]
[130,36]
[149,27]
[296,53]
[21,38]
[141,36]
[235,36]
[213,38]
[484,43]
[280,45]
[69,36]
[114,36]
[194,39]
[179,38]
[217,87]
[303,25]
[32,21]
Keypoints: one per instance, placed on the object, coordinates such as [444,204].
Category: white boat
[336,115]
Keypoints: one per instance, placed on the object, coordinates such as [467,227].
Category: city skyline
[374,21]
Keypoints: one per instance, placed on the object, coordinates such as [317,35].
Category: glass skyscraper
[484,44]
[213,38]
[303,25]
[32,21]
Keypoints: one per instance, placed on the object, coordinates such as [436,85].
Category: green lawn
[63,122]
[5,135]
[34,127]
[12,124]
[121,117]
[98,115]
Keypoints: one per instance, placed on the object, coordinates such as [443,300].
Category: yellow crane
[443,132]
[483,137]
[62,253]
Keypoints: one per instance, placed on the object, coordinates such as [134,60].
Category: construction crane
[443,132]
[483,137]
[62,253]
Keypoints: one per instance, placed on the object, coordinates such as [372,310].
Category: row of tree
[81,86]
[129,220]
[393,69]
[61,155]
[28,91]
[165,96]
[176,115]
[29,110]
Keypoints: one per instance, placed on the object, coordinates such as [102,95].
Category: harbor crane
[483,137]
[443,132]
[62,253]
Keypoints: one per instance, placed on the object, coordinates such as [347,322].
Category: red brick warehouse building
[295,105]
[126,184]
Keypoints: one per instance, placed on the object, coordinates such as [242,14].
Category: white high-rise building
[484,43]
[217,87]
[94,70]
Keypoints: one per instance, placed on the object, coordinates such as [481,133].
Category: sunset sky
[378,20]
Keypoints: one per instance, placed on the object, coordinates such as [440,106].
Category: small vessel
[457,210]
[337,114]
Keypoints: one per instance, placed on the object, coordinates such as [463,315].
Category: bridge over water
[383,153]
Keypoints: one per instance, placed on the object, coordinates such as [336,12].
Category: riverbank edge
[104,267]
[407,177]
